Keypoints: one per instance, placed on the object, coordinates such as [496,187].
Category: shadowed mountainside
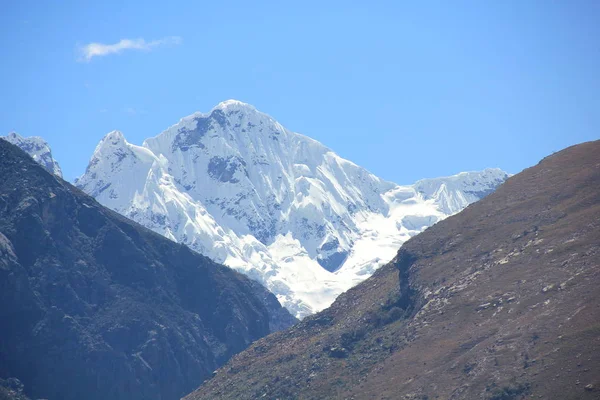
[500,301]
[94,306]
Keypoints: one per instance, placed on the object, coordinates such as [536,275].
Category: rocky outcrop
[12,389]
[94,306]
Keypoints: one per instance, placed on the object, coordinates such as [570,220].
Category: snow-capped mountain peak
[38,149]
[114,138]
[456,192]
[115,157]
[234,105]
[237,186]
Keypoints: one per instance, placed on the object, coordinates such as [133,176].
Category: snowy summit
[38,149]
[237,186]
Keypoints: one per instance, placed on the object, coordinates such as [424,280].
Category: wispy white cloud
[91,50]
[134,111]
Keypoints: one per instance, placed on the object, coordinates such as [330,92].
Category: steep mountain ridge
[235,185]
[454,193]
[95,306]
[500,301]
[38,149]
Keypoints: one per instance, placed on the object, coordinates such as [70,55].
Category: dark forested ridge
[94,306]
[500,301]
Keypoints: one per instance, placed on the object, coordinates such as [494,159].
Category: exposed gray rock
[94,306]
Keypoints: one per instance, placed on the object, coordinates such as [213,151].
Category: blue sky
[406,89]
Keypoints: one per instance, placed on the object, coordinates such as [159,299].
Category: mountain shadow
[94,306]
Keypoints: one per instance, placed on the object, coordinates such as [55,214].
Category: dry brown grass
[504,304]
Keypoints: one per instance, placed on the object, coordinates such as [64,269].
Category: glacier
[278,206]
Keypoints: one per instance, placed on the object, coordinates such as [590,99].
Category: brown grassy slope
[501,301]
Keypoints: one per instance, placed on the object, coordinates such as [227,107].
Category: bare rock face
[497,302]
[94,306]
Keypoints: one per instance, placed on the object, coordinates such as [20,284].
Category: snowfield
[236,186]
